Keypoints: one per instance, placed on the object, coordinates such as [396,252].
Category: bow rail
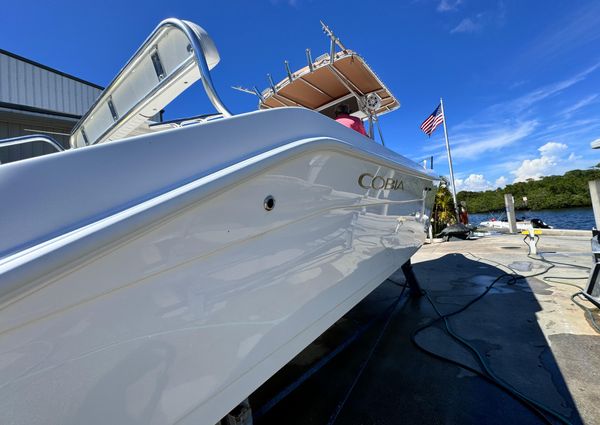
[23,140]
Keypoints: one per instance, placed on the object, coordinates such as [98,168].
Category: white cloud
[465,26]
[482,138]
[291,3]
[577,28]
[552,149]
[570,130]
[534,168]
[501,182]
[447,5]
[563,125]
[535,96]
[478,183]
[550,161]
[517,84]
[473,183]
[581,104]
[506,123]
[495,16]
[521,124]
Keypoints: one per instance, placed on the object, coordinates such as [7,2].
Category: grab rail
[104,119]
[198,48]
[22,140]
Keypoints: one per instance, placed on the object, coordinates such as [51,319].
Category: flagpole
[450,163]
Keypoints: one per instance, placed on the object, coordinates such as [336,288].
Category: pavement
[366,370]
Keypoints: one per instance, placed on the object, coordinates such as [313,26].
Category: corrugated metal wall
[37,99]
[25,83]
[14,128]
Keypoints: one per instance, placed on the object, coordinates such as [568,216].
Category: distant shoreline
[577,218]
[524,210]
[570,190]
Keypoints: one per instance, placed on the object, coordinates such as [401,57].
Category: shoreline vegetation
[552,192]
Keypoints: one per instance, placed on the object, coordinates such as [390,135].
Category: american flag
[432,121]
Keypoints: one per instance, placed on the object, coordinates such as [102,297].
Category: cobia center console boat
[160,272]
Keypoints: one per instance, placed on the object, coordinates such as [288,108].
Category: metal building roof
[30,86]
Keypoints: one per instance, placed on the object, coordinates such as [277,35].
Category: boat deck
[365,370]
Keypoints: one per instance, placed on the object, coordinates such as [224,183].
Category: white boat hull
[175,309]
[498,224]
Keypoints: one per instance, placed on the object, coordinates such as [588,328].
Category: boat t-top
[334,78]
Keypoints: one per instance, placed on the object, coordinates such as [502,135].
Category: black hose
[538,408]
[551,279]
[558,263]
[588,311]
[514,273]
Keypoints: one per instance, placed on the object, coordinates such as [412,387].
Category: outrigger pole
[334,40]
[450,164]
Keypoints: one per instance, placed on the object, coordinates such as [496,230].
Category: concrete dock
[366,370]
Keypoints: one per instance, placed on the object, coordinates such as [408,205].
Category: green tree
[443,209]
[566,191]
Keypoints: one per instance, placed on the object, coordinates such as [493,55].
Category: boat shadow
[381,376]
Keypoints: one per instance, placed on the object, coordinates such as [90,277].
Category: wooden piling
[509,202]
[595,195]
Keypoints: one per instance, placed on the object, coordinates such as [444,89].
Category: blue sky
[520,79]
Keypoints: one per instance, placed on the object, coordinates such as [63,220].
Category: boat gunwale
[87,242]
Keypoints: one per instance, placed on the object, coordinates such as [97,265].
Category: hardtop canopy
[325,83]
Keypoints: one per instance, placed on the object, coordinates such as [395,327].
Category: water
[567,218]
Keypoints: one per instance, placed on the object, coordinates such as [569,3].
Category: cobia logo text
[369,181]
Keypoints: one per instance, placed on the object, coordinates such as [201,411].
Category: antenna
[243,89]
[254,92]
[334,40]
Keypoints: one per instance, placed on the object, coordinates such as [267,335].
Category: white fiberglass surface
[162,327]
[55,194]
